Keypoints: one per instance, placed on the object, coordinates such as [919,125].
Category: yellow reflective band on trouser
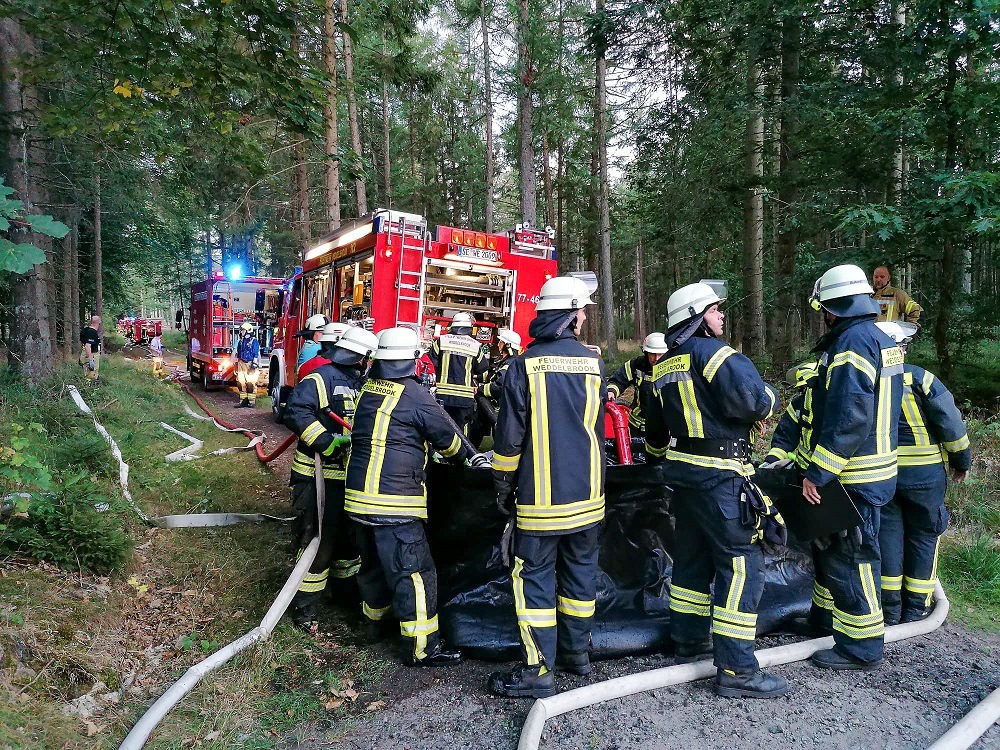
[531,650]
[363,503]
[954,446]
[375,613]
[314,582]
[562,517]
[869,625]
[733,623]
[690,602]
[892,583]
[707,462]
[575,607]
[692,413]
[313,431]
[454,448]
[738,582]
[345,568]
[421,626]
[505,463]
[822,597]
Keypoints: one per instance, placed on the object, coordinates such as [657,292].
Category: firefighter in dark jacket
[786,437]
[644,419]
[457,359]
[711,397]
[510,347]
[330,388]
[931,431]
[395,422]
[854,407]
[548,468]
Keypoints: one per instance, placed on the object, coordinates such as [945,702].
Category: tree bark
[640,293]
[76,314]
[525,116]
[604,202]
[98,250]
[753,215]
[386,142]
[303,221]
[352,114]
[68,314]
[488,111]
[332,144]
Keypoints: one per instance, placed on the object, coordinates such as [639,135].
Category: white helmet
[690,301]
[462,320]
[563,293]
[398,344]
[333,331]
[892,330]
[655,343]
[357,340]
[845,292]
[509,337]
[314,323]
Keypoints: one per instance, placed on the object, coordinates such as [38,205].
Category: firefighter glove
[339,442]
[757,511]
[306,523]
[507,544]
[479,461]
[505,493]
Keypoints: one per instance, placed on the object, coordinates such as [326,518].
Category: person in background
[90,350]
[311,333]
[894,304]
[327,339]
[156,345]
[644,416]
[457,358]
[247,368]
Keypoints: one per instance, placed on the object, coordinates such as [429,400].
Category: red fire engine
[386,270]
[219,306]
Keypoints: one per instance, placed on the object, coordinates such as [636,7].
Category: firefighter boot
[574,663]
[685,653]
[523,682]
[303,615]
[831,658]
[244,404]
[757,684]
[439,656]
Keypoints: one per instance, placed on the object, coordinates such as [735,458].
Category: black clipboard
[836,511]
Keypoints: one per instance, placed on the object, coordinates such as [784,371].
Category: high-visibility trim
[920,455]
[576,607]
[592,386]
[738,582]
[707,462]
[379,438]
[872,626]
[369,504]
[454,448]
[792,413]
[321,394]
[313,431]
[421,626]
[827,459]
[716,362]
[540,438]
[892,583]
[822,597]
[445,364]
[883,417]
[345,568]
[855,360]
[532,652]
[690,602]
[537,618]
[919,585]
[934,575]
[927,382]
[656,452]
[314,582]
[560,523]
[954,446]
[734,624]
[733,631]
[871,590]
[303,465]
[375,613]
[778,454]
[614,390]
[505,463]
[864,476]
[678,365]
[453,389]
[915,421]
[772,396]
[692,413]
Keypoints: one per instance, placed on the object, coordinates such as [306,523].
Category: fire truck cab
[219,306]
[386,270]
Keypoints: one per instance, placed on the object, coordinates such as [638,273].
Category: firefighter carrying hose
[247,369]
[711,397]
[395,420]
[931,430]
[330,388]
[548,468]
[457,358]
[854,407]
[644,418]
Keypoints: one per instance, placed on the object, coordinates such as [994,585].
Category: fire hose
[623,439]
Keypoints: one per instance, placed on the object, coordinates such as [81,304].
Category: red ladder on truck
[410,239]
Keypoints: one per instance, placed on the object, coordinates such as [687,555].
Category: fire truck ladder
[413,239]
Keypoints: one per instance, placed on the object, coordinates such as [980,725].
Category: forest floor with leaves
[82,655]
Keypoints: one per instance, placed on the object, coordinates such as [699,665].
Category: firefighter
[931,428]
[711,397]
[509,347]
[635,374]
[854,408]
[786,437]
[311,333]
[894,304]
[457,359]
[331,388]
[247,370]
[156,345]
[327,341]
[394,421]
[548,468]
[90,349]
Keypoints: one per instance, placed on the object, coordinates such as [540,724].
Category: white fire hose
[620,687]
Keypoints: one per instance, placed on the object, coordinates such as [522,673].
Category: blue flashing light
[235,272]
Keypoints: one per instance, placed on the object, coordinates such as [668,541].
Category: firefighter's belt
[736,449]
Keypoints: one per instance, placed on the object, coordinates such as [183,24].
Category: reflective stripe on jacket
[931,429]
[395,422]
[710,391]
[853,407]
[456,359]
[785,439]
[549,437]
[326,388]
[635,374]
[494,387]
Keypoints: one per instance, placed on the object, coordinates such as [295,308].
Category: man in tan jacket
[894,304]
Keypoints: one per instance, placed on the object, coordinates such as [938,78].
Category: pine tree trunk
[332,144]
[386,142]
[301,192]
[352,113]
[641,327]
[98,250]
[488,112]
[753,216]
[76,314]
[68,314]
[604,203]
[525,116]
[550,207]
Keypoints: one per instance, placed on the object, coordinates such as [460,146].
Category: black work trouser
[909,533]
[461,415]
[555,590]
[337,556]
[712,544]
[398,577]
[852,575]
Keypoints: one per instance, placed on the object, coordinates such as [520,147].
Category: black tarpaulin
[476,602]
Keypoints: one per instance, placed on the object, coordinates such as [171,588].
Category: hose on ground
[620,687]
[972,726]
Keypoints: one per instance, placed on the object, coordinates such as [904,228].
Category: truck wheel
[277,408]
[206,379]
